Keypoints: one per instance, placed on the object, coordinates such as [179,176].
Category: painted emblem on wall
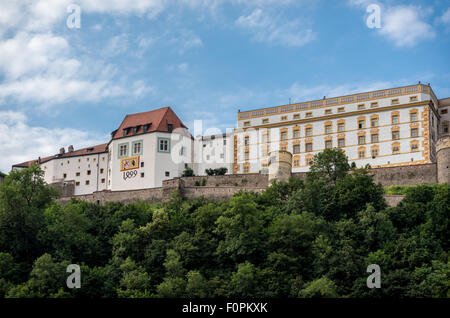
[129,163]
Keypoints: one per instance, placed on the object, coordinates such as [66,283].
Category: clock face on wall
[129,163]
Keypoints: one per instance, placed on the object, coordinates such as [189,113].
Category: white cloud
[39,68]
[445,17]
[406,25]
[21,142]
[274,30]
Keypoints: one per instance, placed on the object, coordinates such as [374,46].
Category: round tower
[443,159]
[280,166]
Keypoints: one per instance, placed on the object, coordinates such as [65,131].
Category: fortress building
[401,126]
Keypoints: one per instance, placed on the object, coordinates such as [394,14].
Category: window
[246,169]
[265,138]
[101,170]
[328,112]
[207,157]
[169,127]
[87,182]
[103,180]
[142,174]
[341,127]
[283,117]
[65,175]
[395,135]
[246,123]
[308,132]
[395,119]
[341,109]
[246,155]
[89,172]
[361,154]
[374,104]
[222,156]
[142,164]
[414,147]
[361,107]
[413,116]
[296,149]
[123,150]
[395,101]
[265,121]
[309,161]
[361,124]
[283,148]
[283,135]
[163,145]
[77,174]
[246,140]
[374,138]
[445,128]
[77,183]
[328,129]
[414,132]
[296,162]
[374,122]
[308,147]
[167,174]
[413,99]
[328,144]
[137,147]
[224,142]
[396,150]
[341,142]
[444,111]
[361,140]
[374,153]
[181,150]
[308,115]
[296,116]
[296,133]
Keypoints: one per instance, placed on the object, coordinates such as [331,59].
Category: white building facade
[384,128]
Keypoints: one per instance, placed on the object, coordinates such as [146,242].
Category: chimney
[62,151]
[39,160]
[70,149]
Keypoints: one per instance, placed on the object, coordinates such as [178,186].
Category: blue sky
[204,58]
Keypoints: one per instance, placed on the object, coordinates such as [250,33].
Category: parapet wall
[221,187]
[406,175]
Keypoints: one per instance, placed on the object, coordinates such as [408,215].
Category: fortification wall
[406,175]
[230,180]
[221,187]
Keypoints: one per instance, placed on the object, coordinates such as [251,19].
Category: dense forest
[311,238]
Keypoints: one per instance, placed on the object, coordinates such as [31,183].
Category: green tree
[23,198]
[320,288]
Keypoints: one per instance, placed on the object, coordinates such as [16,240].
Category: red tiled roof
[81,152]
[158,120]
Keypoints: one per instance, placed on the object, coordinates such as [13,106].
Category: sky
[68,83]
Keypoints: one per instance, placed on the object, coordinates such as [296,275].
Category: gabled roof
[151,121]
[80,152]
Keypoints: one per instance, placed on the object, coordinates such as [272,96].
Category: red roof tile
[158,120]
[81,152]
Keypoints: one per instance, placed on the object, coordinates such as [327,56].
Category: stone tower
[443,159]
[280,166]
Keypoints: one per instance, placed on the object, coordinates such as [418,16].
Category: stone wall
[406,175]
[230,180]
[221,187]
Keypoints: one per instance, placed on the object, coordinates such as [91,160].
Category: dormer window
[125,131]
[135,129]
[169,127]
